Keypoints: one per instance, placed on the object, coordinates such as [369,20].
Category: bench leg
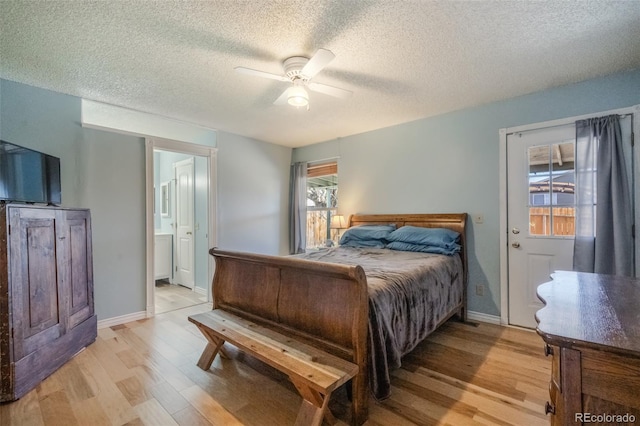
[314,407]
[211,350]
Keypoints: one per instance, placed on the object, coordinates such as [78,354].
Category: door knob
[515,230]
[515,245]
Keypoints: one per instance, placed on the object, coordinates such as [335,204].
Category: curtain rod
[622,112]
[318,161]
[569,124]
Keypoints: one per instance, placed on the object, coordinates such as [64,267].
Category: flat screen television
[28,176]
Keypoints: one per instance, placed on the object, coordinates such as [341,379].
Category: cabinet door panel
[37,297]
[80,278]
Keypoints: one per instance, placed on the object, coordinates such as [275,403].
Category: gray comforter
[409,295]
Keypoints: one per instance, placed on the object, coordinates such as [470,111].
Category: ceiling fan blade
[318,61]
[283,99]
[249,71]
[330,90]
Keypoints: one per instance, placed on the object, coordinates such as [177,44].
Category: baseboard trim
[200,290]
[110,322]
[482,317]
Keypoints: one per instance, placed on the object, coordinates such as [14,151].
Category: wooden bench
[315,373]
[314,313]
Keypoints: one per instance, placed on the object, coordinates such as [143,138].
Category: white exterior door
[540,214]
[184,173]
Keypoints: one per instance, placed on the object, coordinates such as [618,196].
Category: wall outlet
[480,290]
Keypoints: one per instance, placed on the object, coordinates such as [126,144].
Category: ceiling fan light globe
[298,101]
[298,97]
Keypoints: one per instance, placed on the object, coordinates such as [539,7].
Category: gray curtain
[298,208]
[604,212]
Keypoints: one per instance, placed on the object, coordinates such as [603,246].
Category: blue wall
[101,171]
[449,164]
[257,186]
[105,172]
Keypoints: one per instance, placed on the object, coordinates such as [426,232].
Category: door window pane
[551,189]
[539,221]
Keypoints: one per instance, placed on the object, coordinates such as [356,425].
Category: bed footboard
[323,304]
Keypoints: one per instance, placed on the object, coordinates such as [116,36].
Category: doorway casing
[210,153]
[504,259]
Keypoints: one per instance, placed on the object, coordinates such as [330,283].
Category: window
[551,190]
[322,203]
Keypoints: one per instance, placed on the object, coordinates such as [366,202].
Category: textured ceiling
[403,60]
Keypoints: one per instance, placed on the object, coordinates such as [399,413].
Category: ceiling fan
[299,71]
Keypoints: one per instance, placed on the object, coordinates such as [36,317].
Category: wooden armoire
[46,293]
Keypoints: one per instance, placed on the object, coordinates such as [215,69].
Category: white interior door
[184,173]
[540,214]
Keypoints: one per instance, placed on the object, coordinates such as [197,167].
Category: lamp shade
[298,96]
[338,222]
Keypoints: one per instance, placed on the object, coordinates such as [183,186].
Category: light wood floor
[170,297]
[145,373]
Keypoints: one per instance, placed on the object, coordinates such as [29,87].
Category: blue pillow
[378,233]
[434,237]
[398,245]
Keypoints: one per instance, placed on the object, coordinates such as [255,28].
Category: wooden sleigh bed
[333,306]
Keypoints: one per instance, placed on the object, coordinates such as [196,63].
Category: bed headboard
[454,221]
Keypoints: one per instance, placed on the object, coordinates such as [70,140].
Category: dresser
[46,293]
[590,325]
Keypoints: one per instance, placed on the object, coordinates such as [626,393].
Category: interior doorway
[180,224]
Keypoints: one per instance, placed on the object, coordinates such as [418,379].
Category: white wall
[449,164]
